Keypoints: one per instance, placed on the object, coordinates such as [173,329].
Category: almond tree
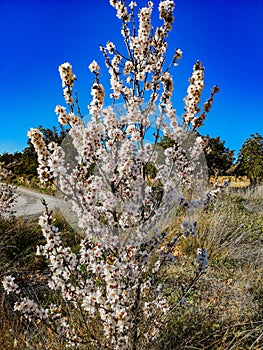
[112,285]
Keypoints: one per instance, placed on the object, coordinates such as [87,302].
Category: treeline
[220,159]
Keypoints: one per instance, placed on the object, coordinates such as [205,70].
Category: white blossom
[9,285]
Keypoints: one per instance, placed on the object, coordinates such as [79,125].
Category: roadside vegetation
[224,310]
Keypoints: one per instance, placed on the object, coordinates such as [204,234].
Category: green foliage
[53,135]
[150,170]
[166,142]
[250,159]
[28,165]
[219,158]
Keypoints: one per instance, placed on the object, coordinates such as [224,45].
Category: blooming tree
[123,212]
[8,194]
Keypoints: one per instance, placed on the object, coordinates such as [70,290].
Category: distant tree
[10,160]
[28,165]
[166,142]
[219,158]
[55,134]
[250,159]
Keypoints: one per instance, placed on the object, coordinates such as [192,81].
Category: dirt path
[29,202]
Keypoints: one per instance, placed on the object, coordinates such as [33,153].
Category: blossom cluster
[8,194]
[37,141]
[65,118]
[67,78]
[9,285]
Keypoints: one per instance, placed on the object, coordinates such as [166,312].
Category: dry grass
[225,308]
[235,181]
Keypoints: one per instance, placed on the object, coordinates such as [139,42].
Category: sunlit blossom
[122,189]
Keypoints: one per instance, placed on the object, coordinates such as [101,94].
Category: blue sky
[38,35]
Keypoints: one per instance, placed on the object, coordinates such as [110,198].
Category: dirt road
[29,202]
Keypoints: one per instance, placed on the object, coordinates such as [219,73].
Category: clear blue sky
[38,35]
